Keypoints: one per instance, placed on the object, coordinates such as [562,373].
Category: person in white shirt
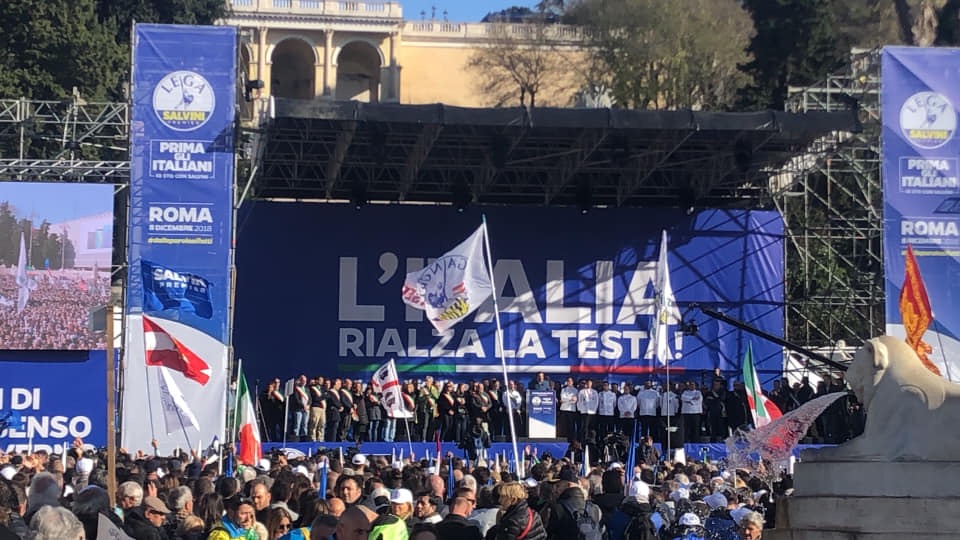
[588,401]
[568,410]
[516,403]
[669,407]
[691,407]
[648,399]
[627,406]
[608,404]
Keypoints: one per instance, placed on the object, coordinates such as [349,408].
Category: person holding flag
[452,287]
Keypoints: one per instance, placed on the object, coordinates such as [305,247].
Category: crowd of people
[353,496]
[333,410]
[57,314]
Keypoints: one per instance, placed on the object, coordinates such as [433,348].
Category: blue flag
[11,420]
[165,288]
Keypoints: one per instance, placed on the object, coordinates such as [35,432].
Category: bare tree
[667,55]
[522,62]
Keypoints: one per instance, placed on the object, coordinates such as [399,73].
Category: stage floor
[713,452]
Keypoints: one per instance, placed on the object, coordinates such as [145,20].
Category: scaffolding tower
[831,201]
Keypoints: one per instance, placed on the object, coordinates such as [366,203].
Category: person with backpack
[632,520]
[517,521]
[689,528]
[573,517]
[475,442]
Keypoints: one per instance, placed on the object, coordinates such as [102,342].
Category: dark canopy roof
[437,153]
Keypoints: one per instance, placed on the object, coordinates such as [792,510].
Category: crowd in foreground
[49,497]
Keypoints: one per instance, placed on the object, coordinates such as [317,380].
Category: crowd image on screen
[57,313]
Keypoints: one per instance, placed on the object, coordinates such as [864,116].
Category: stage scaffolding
[831,199]
[828,191]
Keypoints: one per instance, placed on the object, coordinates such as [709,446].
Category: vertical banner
[542,414]
[921,193]
[181,199]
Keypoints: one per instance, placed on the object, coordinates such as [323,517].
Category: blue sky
[57,202]
[458,10]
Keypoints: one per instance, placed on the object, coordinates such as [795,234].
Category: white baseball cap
[690,520]
[401,496]
[359,459]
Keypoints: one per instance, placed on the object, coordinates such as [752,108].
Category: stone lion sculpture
[912,414]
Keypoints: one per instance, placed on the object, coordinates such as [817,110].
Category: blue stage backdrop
[53,397]
[319,290]
[921,191]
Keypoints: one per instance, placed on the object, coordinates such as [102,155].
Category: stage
[713,452]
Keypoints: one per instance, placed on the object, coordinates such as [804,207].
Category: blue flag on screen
[166,288]
[10,419]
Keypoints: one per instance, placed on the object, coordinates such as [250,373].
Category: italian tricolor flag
[763,410]
[248,431]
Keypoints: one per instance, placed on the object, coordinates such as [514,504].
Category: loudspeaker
[97,319]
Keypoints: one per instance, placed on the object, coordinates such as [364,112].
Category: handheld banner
[181,204]
[921,201]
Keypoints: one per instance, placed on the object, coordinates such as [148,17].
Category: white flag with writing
[665,305]
[25,283]
[176,413]
[386,382]
[453,286]
[106,530]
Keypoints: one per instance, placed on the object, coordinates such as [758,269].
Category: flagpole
[236,402]
[406,425]
[146,374]
[503,361]
[286,413]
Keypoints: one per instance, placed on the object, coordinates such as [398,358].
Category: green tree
[124,13]
[666,55]
[48,47]
[796,44]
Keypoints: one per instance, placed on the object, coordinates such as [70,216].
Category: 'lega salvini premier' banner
[319,290]
[175,361]
[921,189]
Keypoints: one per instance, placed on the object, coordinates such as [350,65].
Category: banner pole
[406,426]
[236,404]
[503,361]
[111,411]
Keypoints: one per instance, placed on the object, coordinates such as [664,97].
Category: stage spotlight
[461,195]
[358,194]
[584,196]
[252,89]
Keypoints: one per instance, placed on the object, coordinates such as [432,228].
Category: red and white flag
[162,349]
[386,382]
[248,431]
[762,409]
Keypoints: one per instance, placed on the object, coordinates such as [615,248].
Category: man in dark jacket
[456,526]
[612,496]
[631,521]
[570,503]
[146,522]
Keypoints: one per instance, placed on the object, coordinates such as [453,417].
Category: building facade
[367,51]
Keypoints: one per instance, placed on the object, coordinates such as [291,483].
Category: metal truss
[70,141]
[344,151]
[831,200]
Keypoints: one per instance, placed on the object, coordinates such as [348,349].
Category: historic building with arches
[364,51]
